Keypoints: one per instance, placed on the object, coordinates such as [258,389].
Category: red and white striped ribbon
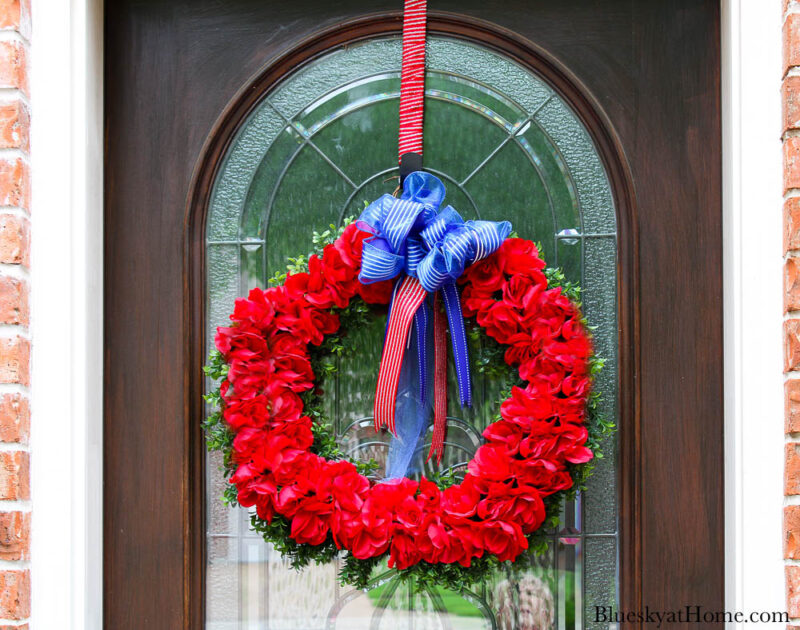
[412,77]
[439,380]
[410,294]
[407,300]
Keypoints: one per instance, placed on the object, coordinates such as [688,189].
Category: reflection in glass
[318,146]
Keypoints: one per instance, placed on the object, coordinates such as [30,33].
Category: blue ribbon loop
[413,236]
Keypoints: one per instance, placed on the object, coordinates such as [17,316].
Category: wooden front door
[234,129]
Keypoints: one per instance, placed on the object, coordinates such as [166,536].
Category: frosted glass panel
[600,580]
[315,148]
[599,304]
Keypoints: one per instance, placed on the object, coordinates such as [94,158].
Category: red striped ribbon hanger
[410,294]
[412,77]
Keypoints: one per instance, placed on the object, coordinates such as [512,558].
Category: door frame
[609,148]
[68,307]
[752,297]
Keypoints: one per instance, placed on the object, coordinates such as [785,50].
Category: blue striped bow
[413,237]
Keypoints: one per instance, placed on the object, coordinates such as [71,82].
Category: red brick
[15,535]
[791,532]
[791,103]
[791,390]
[15,418]
[15,594]
[15,15]
[791,224]
[13,65]
[791,482]
[791,42]
[15,183]
[793,591]
[9,14]
[15,123]
[13,301]
[791,285]
[15,483]
[791,163]
[14,240]
[15,353]
[791,345]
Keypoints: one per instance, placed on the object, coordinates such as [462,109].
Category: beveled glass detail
[316,147]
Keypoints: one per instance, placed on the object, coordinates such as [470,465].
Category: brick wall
[15,515]
[790,127]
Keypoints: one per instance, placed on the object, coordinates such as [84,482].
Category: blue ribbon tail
[458,338]
[413,406]
[422,324]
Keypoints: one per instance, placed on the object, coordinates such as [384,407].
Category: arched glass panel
[320,144]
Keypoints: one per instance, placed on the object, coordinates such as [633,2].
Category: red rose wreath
[312,503]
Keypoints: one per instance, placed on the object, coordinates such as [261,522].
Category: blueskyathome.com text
[687,614]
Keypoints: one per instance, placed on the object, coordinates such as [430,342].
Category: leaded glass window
[320,144]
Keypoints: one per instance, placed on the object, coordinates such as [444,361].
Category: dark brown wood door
[640,78]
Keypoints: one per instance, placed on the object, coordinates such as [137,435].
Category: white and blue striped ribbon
[412,235]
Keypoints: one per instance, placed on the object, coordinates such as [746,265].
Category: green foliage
[357,572]
[556,278]
[299,555]
[325,359]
